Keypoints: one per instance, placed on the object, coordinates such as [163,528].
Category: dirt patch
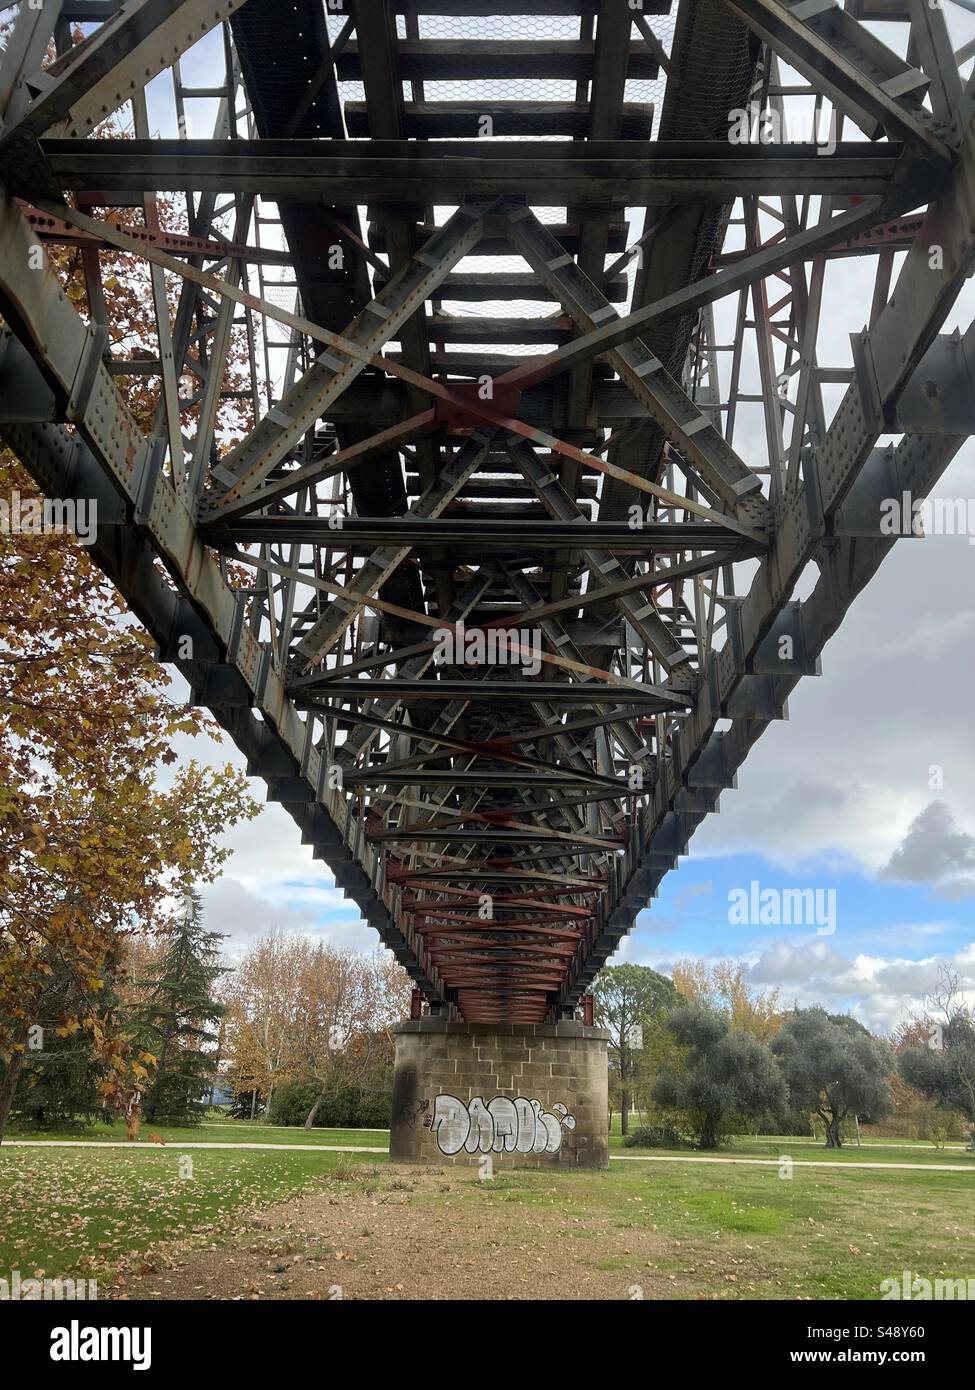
[425,1234]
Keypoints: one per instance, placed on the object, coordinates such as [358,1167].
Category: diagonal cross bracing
[500,607]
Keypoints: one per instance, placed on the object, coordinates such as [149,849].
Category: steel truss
[416,474]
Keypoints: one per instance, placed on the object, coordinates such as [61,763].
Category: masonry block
[528,1095]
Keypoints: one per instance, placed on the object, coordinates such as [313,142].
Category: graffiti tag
[501,1126]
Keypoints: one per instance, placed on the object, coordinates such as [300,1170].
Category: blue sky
[693,916]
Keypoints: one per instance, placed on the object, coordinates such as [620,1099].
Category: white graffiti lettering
[501,1126]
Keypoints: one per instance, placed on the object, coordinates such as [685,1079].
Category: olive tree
[834,1068]
[726,1073]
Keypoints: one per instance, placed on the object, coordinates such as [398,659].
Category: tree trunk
[253,1102]
[8,1089]
[834,1139]
[155,1090]
[708,1137]
[625,1112]
[316,1107]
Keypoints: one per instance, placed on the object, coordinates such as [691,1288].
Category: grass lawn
[79,1211]
[746,1232]
[224,1131]
[811,1150]
[218,1131]
[680,1231]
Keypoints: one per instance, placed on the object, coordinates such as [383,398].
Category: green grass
[746,1232]
[218,1131]
[801,1148]
[734,1232]
[79,1211]
[221,1130]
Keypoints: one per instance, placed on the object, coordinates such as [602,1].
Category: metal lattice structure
[536,355]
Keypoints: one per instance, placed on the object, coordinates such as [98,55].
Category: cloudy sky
[866,793]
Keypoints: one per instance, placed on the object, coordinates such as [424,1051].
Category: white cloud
[880,991]
[243,916]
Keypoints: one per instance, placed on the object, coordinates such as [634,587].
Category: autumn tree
[351,1077]
[96,837]
[724,986]
[301,1011]
[264,995]
[93,843]
[351,1002]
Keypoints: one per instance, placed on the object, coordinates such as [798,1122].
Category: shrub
[347,1106]
[941,1129]
[659,1136]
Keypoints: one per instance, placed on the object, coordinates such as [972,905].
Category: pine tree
[60,1070]
[179,1018]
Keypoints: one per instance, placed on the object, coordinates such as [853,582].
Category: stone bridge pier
[531,1095]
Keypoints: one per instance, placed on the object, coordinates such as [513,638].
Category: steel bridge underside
[501,410]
